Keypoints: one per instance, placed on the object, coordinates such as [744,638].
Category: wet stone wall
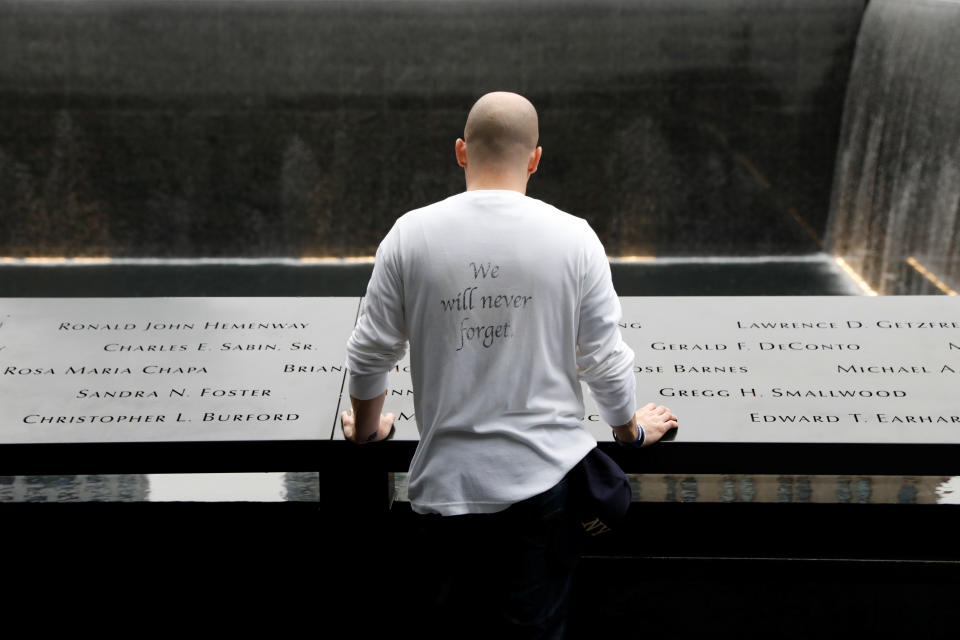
[681,127]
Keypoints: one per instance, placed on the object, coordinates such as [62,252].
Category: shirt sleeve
[604,361]
[379,339]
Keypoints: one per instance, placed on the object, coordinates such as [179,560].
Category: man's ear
[460,149]
[534,160]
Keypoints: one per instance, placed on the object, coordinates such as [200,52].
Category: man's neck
[497,182]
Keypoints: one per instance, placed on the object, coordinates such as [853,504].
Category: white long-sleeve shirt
[507,302]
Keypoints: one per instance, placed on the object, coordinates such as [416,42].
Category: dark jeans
[501,575]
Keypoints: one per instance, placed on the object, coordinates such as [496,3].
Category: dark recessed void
[817,275]
[287,129]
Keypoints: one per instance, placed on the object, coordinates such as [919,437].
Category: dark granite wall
[677,127]
[895,210]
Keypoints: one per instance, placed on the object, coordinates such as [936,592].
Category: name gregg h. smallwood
[36,418]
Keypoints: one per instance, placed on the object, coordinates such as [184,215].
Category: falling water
[895,208]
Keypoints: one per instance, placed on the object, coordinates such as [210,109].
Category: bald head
[501,130]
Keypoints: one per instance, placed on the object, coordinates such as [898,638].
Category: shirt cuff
[618,416]
[367,386]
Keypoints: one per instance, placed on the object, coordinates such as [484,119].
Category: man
[507,303]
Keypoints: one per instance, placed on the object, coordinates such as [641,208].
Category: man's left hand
[350,428]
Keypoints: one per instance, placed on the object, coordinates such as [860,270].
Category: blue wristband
[641,436]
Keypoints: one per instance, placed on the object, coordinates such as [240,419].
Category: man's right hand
[656,420]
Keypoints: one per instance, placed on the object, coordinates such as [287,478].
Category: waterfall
[895,207]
